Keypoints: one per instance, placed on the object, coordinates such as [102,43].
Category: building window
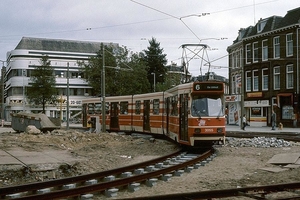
[255,52]
[238,80]
[59,73]
[260,26]
[277,78]
[287,112]
[289,77]
[256,112]
[233,60]
[289,44]
[17,91]
[237,59]
[276,47]
[248,81]
[241,58]
[248,53]
[255,80]
[265,79]
[233,86]
[265,50]
[235,83]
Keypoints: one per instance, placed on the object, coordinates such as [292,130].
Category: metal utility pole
[242,93]
[103,93]
[23,74]
[68,94]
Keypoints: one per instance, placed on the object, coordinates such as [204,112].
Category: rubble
[258,142]
[32,130]
[78,153]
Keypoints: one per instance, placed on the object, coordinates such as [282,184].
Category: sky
[132,23]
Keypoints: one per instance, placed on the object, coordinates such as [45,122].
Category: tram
[191,114]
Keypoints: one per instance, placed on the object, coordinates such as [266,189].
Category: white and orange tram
[191,114]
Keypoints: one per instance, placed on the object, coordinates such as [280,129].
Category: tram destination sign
[207,86]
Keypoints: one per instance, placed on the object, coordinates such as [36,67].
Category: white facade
[21,62]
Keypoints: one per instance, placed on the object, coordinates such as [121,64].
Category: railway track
[130,177]
[259,192]
[110,181]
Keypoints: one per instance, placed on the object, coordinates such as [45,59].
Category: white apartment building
[64,55]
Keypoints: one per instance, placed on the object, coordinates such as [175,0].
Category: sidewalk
[264,129]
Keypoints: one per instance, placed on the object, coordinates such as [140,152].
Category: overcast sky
[132,23]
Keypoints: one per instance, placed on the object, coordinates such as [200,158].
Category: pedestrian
[273,120]
[244,122]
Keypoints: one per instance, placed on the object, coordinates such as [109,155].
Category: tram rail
[30,191]
[257,192]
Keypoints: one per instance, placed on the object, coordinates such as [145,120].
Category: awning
[284,95]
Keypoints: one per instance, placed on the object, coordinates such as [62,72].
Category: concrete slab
[274,169]
[297,162]
[19,156]
[6,159]
[292,166]
[284,158]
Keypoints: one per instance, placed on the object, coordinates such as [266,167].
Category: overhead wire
[140,22]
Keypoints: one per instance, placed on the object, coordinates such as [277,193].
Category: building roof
[292,17]
[44,44]
[271,23]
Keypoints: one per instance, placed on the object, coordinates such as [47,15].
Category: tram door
[146,122]
[84,115]
[183,117]
[167,107]
[114,116]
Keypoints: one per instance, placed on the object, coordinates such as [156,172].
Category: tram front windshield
[208,106]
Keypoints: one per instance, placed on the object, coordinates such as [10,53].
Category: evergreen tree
[155,60]
[42,86]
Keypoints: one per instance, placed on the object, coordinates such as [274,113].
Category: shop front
[257,112]
[233,109]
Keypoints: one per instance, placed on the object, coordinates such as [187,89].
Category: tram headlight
[197,130]
[219,130]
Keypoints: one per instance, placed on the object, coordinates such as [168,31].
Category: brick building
[264,71]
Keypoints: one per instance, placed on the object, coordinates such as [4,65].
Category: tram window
[156,106]
[170,105]
[107,107]
[165,106]
[124,107]
[215,107]
[174,108]
[98,108]
[138,107]
[199,107]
